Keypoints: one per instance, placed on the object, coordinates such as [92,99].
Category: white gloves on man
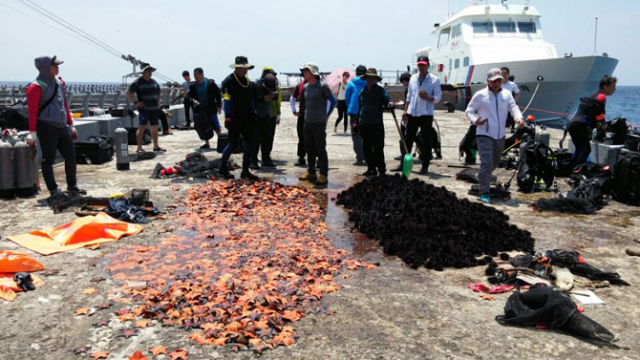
[32,139]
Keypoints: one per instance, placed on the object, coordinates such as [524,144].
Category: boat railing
[89,99]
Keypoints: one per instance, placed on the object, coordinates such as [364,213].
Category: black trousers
[315,139]
[424,124]
[373,146]
[187,106]
[302,151]
[248,129]
[580,135]
[53,139]
[164,121]
[266,132]
[342,114]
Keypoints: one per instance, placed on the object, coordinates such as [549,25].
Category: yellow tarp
[84,231]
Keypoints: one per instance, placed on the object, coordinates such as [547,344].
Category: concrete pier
[391,312]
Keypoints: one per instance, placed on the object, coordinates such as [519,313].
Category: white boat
[486,36]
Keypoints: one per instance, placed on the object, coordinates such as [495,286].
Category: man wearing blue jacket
[351,96]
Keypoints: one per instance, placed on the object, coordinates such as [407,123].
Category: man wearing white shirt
[488,110]
[424,92]
[513,88]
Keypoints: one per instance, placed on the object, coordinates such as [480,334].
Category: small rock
[35,346]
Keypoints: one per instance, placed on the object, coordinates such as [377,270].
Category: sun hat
[312,67]
[241,62]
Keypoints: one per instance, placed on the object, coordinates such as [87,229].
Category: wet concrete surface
[391,312]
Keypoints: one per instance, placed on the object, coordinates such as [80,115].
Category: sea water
[624,103]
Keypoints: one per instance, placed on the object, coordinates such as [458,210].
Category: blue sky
[178,35]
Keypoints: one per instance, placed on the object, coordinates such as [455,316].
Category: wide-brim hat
[146,67]
[241,62]
[372,72]
[312,67]
[494,74]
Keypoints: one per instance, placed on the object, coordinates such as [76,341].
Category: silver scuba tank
[7,169]
[23,169]
[121,140]
[543,136]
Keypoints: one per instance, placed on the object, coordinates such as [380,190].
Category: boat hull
[552,88]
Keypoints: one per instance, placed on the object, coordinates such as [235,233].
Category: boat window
[456,31]
[485,27]
[527,27]
[443,39]
[457,63]
[465,61]
[505,26]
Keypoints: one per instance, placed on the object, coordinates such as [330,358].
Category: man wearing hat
[147,93]
[268,97]
[50,121]
[373,100]
[488,110]
[316,116]
[422,95]
[240,116]
[352,96]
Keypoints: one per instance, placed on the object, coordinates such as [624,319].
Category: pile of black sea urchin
[429,226]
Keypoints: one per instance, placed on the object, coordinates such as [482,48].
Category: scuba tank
[121,139]
[543,135]
[7,168]
[24,169]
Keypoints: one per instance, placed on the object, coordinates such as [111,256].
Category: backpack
[626,179]
[536,162]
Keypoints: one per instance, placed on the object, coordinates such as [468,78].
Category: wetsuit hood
[43,64]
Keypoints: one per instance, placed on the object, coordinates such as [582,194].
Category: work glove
[32,139]
[74,133]
[24,281]
[278,120]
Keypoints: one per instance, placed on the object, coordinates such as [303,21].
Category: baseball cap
[423,60]
[494,74]
[56,61]
[270,83]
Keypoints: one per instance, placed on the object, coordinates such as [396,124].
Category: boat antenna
[595,40]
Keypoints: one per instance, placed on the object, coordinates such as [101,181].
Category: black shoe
[254,166]
[225,174]
[77,190]
[382,172]
[370,172]
[398,158]
[397,168]
[438,156]
[248,176]
[268,163]
[424,170]
[359,163]
[205,146]
[301,162]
